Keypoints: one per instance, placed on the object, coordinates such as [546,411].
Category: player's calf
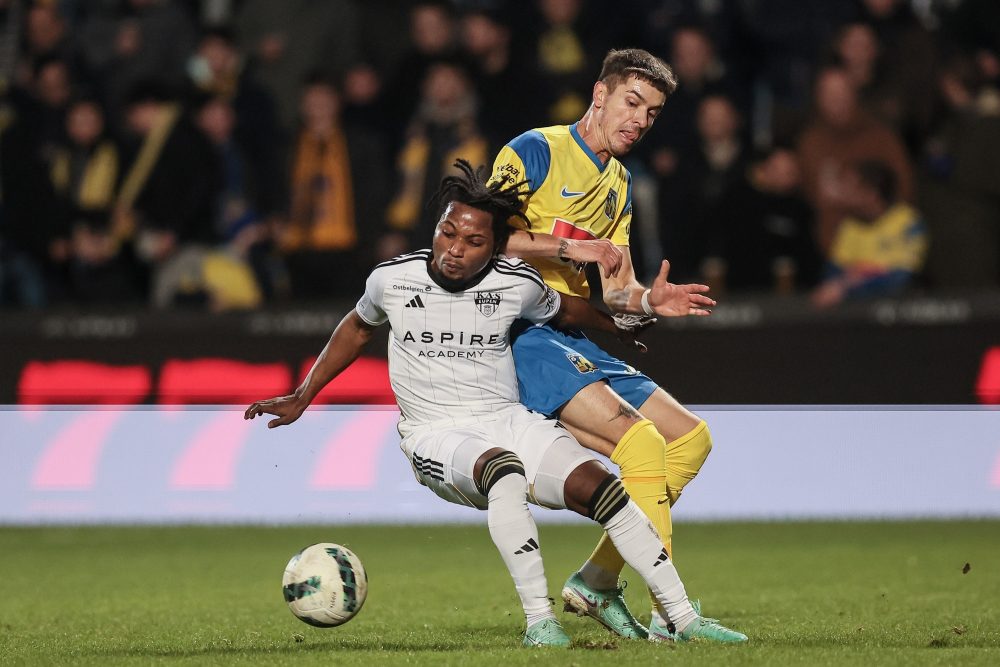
[594,493]
[639,543]
[499,476]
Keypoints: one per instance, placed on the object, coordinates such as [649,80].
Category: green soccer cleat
[667,633]
[711,630]
[706,629]
[546,633]
[607,607]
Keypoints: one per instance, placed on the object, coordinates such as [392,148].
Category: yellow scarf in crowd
[405,209]
[95,190]
[322,212]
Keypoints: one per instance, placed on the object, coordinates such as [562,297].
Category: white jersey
[449,352]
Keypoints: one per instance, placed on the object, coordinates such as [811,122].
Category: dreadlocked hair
[501,198]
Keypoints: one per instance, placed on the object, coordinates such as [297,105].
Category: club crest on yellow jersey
[611,205]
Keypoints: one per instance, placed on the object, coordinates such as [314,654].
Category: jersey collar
[586,149]
[454,287]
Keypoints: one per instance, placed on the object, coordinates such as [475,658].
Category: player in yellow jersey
[578,190]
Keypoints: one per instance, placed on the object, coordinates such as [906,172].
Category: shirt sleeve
[370,305]
[540,302]
[525,159]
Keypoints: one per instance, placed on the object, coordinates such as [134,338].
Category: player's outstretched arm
[526,244]
[344,346]
[624,294]
[670,300]
[577,313]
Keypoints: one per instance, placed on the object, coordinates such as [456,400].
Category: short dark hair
[619,64]
[879,176]
[501,199]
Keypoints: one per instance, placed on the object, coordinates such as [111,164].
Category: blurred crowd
[232,153]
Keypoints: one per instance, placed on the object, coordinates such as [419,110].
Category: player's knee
[686,459]
[608,499]
[698,447]
[498,466]
[641,452]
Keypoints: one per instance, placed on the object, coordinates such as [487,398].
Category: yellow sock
[641,458]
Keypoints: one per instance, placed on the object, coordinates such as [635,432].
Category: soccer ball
[325,585]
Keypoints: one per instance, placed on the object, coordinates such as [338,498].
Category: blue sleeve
[534,152]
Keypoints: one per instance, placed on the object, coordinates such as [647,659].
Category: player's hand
[286,408]
[630,326]
[602,251]
[669,300]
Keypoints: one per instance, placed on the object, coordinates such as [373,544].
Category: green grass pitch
[805,593]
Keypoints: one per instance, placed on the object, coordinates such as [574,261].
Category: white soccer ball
[325,585]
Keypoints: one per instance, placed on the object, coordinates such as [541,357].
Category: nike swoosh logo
[567,194]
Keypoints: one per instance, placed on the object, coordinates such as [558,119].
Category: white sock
[514,532]
[640,546]
[597,577]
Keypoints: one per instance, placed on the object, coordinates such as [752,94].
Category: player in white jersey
[465,433]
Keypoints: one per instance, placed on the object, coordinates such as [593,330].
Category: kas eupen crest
[487,302]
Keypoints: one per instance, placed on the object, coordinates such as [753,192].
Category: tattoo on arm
[563,247]
[626,410]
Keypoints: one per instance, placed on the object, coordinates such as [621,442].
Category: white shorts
[443,459]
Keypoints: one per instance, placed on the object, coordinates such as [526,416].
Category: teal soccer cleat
[710,630]
[703,628]
[659,632]
[607,607]
[546,633]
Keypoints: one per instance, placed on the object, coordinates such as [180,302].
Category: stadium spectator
[880,247]
[364,117]
[486,37]
[782,40]
[321,234]
[908,57]
[560,46]
[291,39]
[841,133]
[168,192]
[239,221]
[41,107]
[960,192]
[218,69]
[700,74]
[690,199]
[656,21]
[85,173]
[46,36]
[134,42]
[443,129]
[764,230]
[857,51]
[35,242]
[433,37]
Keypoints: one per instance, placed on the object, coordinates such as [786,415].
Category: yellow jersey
[572,195]
[896,241]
